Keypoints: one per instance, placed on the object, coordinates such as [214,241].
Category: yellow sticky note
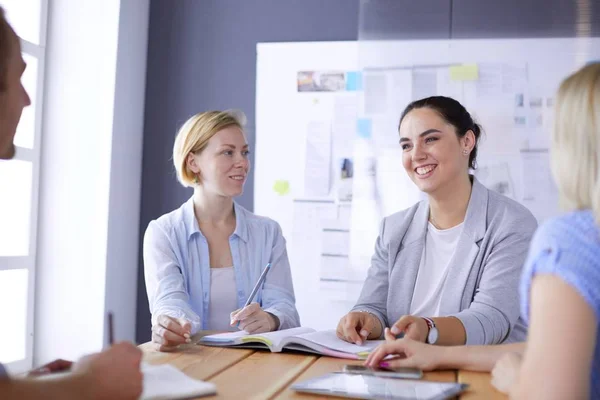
[465,72]
[281,187]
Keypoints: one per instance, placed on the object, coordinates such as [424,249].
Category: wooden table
[250,374]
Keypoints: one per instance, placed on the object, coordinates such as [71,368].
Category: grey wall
[464,19]
[202,55]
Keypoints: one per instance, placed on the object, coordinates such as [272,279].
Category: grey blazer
[483,278]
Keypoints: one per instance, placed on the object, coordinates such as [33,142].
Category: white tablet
[373,387]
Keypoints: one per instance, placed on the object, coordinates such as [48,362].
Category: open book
[298,339]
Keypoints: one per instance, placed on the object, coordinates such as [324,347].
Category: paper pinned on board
[317,175]
[497,178]
[464,72]
[281,187]
[345,114]
[538,184]
[353,81]
[364,127]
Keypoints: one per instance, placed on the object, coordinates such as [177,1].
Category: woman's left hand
[414,328]
[253,319]
[506,372]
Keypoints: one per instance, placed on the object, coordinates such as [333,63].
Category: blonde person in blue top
[202,260]
[560,284]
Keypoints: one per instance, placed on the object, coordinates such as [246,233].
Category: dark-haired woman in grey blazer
[445,271]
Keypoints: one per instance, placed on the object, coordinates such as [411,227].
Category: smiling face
[223,165]
[432,153]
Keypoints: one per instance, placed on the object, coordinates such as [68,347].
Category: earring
[465,152]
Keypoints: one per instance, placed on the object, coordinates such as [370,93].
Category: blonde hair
[193,137]
[576,141]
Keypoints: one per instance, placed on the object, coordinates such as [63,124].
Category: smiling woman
[446,270]
[202,260]
[439,139]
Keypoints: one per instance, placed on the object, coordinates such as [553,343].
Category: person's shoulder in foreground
[569,246]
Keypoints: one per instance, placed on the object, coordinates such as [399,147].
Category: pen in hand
[111,332]
[261,279]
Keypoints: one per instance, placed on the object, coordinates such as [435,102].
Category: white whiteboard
[508,85]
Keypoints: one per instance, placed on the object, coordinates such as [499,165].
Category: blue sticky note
[364,127]
[353,81]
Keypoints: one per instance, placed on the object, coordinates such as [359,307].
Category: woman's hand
[414,328]
[59,365]
[358,326]
[169,332]
[410,353]
[254,319]
[506,372]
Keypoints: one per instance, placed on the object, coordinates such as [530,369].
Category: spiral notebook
[297,339]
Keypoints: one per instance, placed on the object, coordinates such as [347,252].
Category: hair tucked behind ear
[453,113]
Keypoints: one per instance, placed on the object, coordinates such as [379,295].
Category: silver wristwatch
[432,336]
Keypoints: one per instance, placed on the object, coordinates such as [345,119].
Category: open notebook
[163,382]
[298,339]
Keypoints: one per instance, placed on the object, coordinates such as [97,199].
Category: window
[19,200]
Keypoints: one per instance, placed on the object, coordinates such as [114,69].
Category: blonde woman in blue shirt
[560,284]
[202,260]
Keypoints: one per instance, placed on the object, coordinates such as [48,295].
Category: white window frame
[28,262]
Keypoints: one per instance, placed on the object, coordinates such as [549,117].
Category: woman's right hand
[169,332]
[411,354]
[358,326]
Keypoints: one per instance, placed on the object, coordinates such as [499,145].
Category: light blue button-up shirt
[177,267]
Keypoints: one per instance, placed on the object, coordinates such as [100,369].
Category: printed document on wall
[539,190]
[317,159]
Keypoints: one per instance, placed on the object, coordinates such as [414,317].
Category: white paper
[224,337]
[345,114]
[539,190]
[424,83]
[446,86]
[275,337]
[317,159]
[366,206]
[167,382]
[500,79]
[336,242]
[334,268]
[497,177]
[375,93]
[537,178]
[330,340]
[397,190]
[401,94]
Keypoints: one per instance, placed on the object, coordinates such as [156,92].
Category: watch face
[433,336]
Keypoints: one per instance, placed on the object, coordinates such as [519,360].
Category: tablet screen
[373,387]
